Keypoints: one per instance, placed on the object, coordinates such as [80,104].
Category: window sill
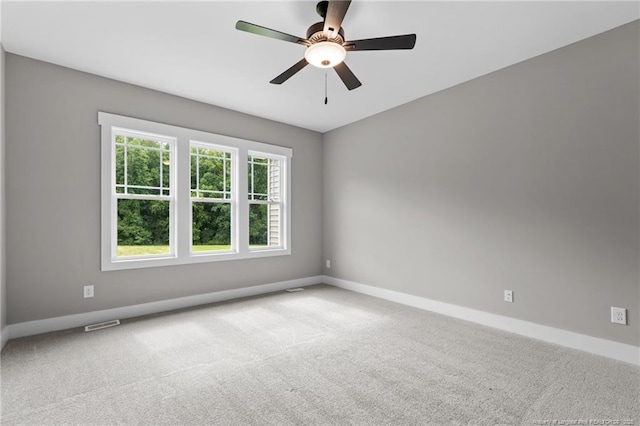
[138,263]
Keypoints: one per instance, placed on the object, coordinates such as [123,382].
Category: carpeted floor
[321,356]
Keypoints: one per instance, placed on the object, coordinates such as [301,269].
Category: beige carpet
[321,356]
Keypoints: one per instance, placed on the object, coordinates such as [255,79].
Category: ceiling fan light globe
[325,54]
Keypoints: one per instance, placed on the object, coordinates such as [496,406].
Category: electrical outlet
[328,264]
[618,315]
[508,296]
[88,291]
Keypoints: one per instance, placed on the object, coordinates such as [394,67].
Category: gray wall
[524,179]
[53,194]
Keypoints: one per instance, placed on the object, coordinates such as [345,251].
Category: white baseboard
[30,328]
[595,345]
[4,336]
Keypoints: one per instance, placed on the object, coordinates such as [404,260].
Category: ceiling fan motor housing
[315,34]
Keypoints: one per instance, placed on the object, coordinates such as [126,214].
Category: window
[212,200]
[264,201]
[143,195]
[172,195]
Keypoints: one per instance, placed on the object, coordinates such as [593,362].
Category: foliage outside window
[172,195]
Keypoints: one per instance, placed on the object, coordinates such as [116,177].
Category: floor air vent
[101,325]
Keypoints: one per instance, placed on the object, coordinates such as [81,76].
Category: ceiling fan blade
[406,41]
[346,75]
[290,72]
[335,14]
[268,32]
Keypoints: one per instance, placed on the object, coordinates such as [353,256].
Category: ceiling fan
[326,45]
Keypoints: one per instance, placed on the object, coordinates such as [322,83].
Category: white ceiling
[192,49]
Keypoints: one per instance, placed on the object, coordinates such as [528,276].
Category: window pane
[210,173]
[211,226]
[142,166]
[264,225]
[119,165]
[166,170]
[143,227]
[227,177]
[143,170]
[258,172]
[274,181]
[264,179]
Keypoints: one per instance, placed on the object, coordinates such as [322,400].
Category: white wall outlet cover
[508,296]
[618,315]
[88,291]
[328,263]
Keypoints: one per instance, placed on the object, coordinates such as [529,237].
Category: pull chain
[326,99]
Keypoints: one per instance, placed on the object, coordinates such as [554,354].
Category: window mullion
[252,191]
[114,216]
[198,172]
[242,202]
[109,215]
[125,168]
[161,190]
[182,174]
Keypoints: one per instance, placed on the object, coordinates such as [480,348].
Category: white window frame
[181,227]
[115,196]
[233,201]
[280,202]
